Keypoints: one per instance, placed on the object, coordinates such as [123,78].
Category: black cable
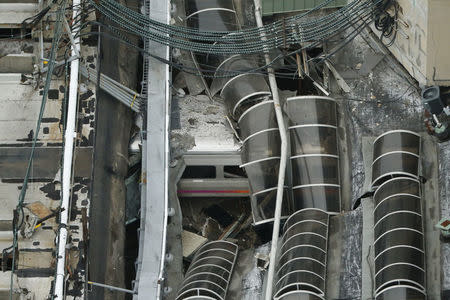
[386,23]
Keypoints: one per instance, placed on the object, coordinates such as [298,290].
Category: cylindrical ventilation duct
[399,241]
[261,160]
[301,265]
[314,152]
[396,153]
[211,15]
[209,273]
[243,89]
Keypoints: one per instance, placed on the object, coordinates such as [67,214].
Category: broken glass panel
[263,205]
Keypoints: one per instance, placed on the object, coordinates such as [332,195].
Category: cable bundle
[291,31]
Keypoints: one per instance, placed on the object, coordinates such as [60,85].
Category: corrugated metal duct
[209,273]
[396,153]
[301,266]
[399,241]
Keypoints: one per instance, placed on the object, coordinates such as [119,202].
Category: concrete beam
[13,14]
[17,63]
[14,160]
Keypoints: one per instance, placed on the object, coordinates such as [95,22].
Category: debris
[262,261]
[211,229]
[191,242]
[339,79]
[371,61]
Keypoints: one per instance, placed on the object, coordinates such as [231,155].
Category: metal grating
[271,7]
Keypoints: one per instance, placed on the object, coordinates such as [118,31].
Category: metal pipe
[283,159]
[69,137]
[114,88]
[110,287]
[106,78]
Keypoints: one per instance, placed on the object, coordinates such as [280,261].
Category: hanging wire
[289,32]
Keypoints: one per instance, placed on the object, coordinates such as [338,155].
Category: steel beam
[155,156]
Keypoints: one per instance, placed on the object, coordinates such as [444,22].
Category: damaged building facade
[215,149]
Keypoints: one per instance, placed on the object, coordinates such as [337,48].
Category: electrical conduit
[283,160]
[69,137]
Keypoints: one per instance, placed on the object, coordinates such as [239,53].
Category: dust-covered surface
[382,100]
[444,184]
[351,274]
[248,280]
[203,126]
[382,97]
[15,47]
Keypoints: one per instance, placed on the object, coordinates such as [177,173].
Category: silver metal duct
[399,240]
[209,273]
[301,265]
[396,153]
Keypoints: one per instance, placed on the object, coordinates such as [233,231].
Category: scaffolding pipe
[283,159]
[69,137]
